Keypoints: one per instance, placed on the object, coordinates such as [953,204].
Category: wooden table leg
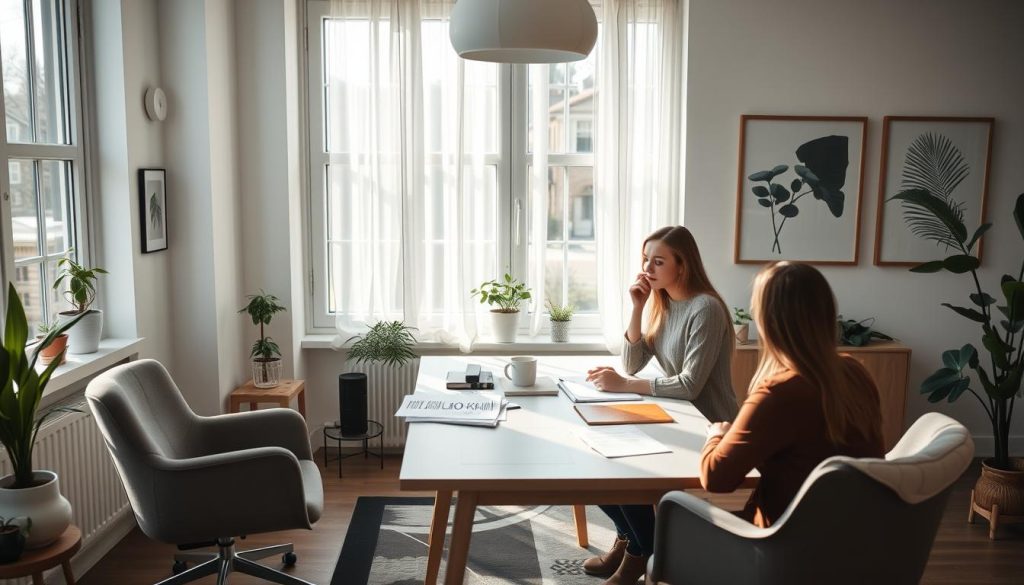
[252,406]
[462,531]
[579,516]
[438,528]
[302,403]
[69,577]
[234,404]
[37,579]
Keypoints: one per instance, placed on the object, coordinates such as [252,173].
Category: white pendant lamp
[523,31]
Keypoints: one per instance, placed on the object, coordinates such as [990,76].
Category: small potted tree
[379,360]
[56,347]
[81,293]
[26,491]
[265,354]
[12,538]
[561,319]
[741,324]
[507,295]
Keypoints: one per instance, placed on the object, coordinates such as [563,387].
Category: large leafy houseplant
[23,389]
[940,219]
[388,342]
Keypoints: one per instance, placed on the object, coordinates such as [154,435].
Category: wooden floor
[962,553]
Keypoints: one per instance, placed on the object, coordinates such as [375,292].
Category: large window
[42,148]
[499,111]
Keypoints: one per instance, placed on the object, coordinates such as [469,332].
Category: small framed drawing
[153,209]
[948,157]
[799,189]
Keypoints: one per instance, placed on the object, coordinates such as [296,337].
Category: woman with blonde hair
[689,333]
[805,403]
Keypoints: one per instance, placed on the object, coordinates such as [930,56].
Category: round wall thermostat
[156,104]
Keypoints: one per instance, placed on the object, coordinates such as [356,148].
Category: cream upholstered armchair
[178,469]
[854,521]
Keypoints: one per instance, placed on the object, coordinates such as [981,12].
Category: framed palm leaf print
[153,209]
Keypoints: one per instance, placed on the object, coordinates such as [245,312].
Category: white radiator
[71,445]
[386,387]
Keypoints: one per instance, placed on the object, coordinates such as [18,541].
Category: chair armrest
[227,494]
[698,542]
[273,427]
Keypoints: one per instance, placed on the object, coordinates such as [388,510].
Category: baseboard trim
[97,548]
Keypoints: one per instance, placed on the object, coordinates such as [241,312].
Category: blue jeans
[636,523]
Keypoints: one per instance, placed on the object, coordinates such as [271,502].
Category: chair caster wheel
[179,567]
[289,559]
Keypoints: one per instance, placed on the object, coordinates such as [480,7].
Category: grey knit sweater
[694,348]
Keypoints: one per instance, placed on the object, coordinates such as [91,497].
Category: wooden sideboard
[887,362]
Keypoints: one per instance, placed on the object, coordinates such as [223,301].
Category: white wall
[861,58]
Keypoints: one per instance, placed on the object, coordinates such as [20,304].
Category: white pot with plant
[507,294]
[30,493]
[85,336]
[385,355]
[741,324]
[561,320]
[265,354]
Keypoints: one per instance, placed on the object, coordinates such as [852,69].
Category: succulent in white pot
[741,324]
[85,336]
[506,295]
[561,320]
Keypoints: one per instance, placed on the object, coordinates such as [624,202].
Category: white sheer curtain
[638,142]
[412,179]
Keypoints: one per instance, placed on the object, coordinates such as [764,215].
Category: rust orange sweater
[780,430]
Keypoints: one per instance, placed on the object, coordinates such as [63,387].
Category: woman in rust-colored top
[805,403]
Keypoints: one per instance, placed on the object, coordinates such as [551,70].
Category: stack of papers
[620,441]
[543,386]
[579,390]
[484,409]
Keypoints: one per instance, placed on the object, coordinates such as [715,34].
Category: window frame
[513,162]
[74,153]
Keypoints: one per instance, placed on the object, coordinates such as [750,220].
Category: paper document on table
[620,441]
[579,390]
[462,405]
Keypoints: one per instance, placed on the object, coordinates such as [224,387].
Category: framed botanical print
[949,158]
[153,209]
[799,189]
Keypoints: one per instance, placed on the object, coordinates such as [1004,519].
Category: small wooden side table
[34,562]
[280,395]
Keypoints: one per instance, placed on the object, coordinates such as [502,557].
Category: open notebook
[579,390]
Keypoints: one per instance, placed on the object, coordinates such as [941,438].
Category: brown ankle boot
[605,565]
[631,569]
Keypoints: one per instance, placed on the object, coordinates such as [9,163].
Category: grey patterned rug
[386,544]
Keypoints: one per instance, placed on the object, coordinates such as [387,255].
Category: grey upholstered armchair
[180,471]
[854,521]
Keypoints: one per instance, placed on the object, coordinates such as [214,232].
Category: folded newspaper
[461,407]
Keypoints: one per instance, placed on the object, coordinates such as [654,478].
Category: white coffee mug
[524,370]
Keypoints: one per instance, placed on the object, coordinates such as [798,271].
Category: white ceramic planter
[84,337]
[505,325]
[50,512]
[560,331]
[742,332]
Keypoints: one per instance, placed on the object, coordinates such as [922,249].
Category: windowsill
[539,345]
[80,367]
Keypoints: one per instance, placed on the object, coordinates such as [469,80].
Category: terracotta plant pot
[1001,487]
[49,353]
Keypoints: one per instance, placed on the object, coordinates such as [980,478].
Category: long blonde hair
[795,313]
[693,278]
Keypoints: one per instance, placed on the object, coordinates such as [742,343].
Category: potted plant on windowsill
[265,354]
[507,294]
[81,293]
[1000,489]
[56,347]
[28,492]
[379,360]
[741,324]
[12,538]
[561,320]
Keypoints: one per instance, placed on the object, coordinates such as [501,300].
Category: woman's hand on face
[640,290]
[606,379]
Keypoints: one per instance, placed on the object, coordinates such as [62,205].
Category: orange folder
[623,414]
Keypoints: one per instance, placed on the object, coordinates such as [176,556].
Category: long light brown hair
[693,278]
[795,313]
